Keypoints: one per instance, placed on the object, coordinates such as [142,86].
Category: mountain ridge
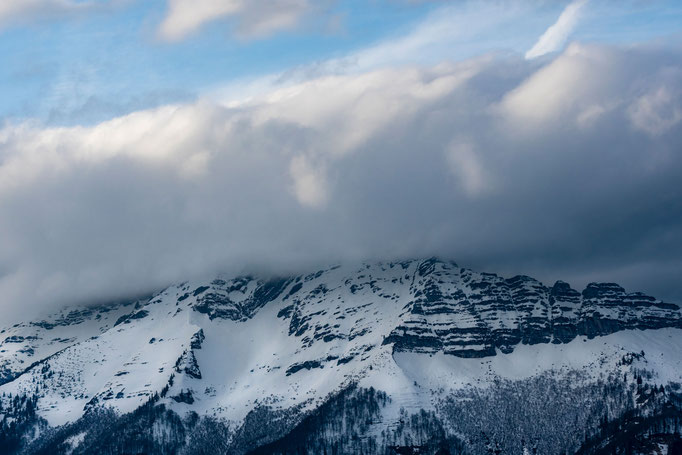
[415,330]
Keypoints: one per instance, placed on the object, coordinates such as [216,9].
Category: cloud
[466,166]
[556,35]
[660,108]
[14,12]
[254,18]
[309,183]
[17,10]
[459,31]
[566,88]
[391,163]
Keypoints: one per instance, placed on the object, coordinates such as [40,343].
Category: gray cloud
[22,10]
[15,12]
[568,171]
[252,18]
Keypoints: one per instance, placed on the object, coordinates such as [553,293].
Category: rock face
[236,299]
[469,314]
[449,309]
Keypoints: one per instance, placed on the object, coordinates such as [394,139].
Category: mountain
[420,356]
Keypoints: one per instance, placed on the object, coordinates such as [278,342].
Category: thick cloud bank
[567,170]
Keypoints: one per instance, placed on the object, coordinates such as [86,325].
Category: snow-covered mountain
[418,356]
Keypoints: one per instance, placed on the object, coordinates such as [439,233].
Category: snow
[74,441]
[119,361]
[663,355]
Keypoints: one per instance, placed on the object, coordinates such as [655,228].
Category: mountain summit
[420,356]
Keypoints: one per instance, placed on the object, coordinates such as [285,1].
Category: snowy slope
[26,343]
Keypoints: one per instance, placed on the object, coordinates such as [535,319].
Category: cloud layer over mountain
[568,168]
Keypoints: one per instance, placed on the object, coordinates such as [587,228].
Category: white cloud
[375,104]
[14,12]
[456,32]
[557,34]
[467,167]
[254,18]
[351,167]
[310,186]
[17,10]
[567,89]
[659,110]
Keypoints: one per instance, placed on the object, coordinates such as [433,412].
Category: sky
[148,142]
